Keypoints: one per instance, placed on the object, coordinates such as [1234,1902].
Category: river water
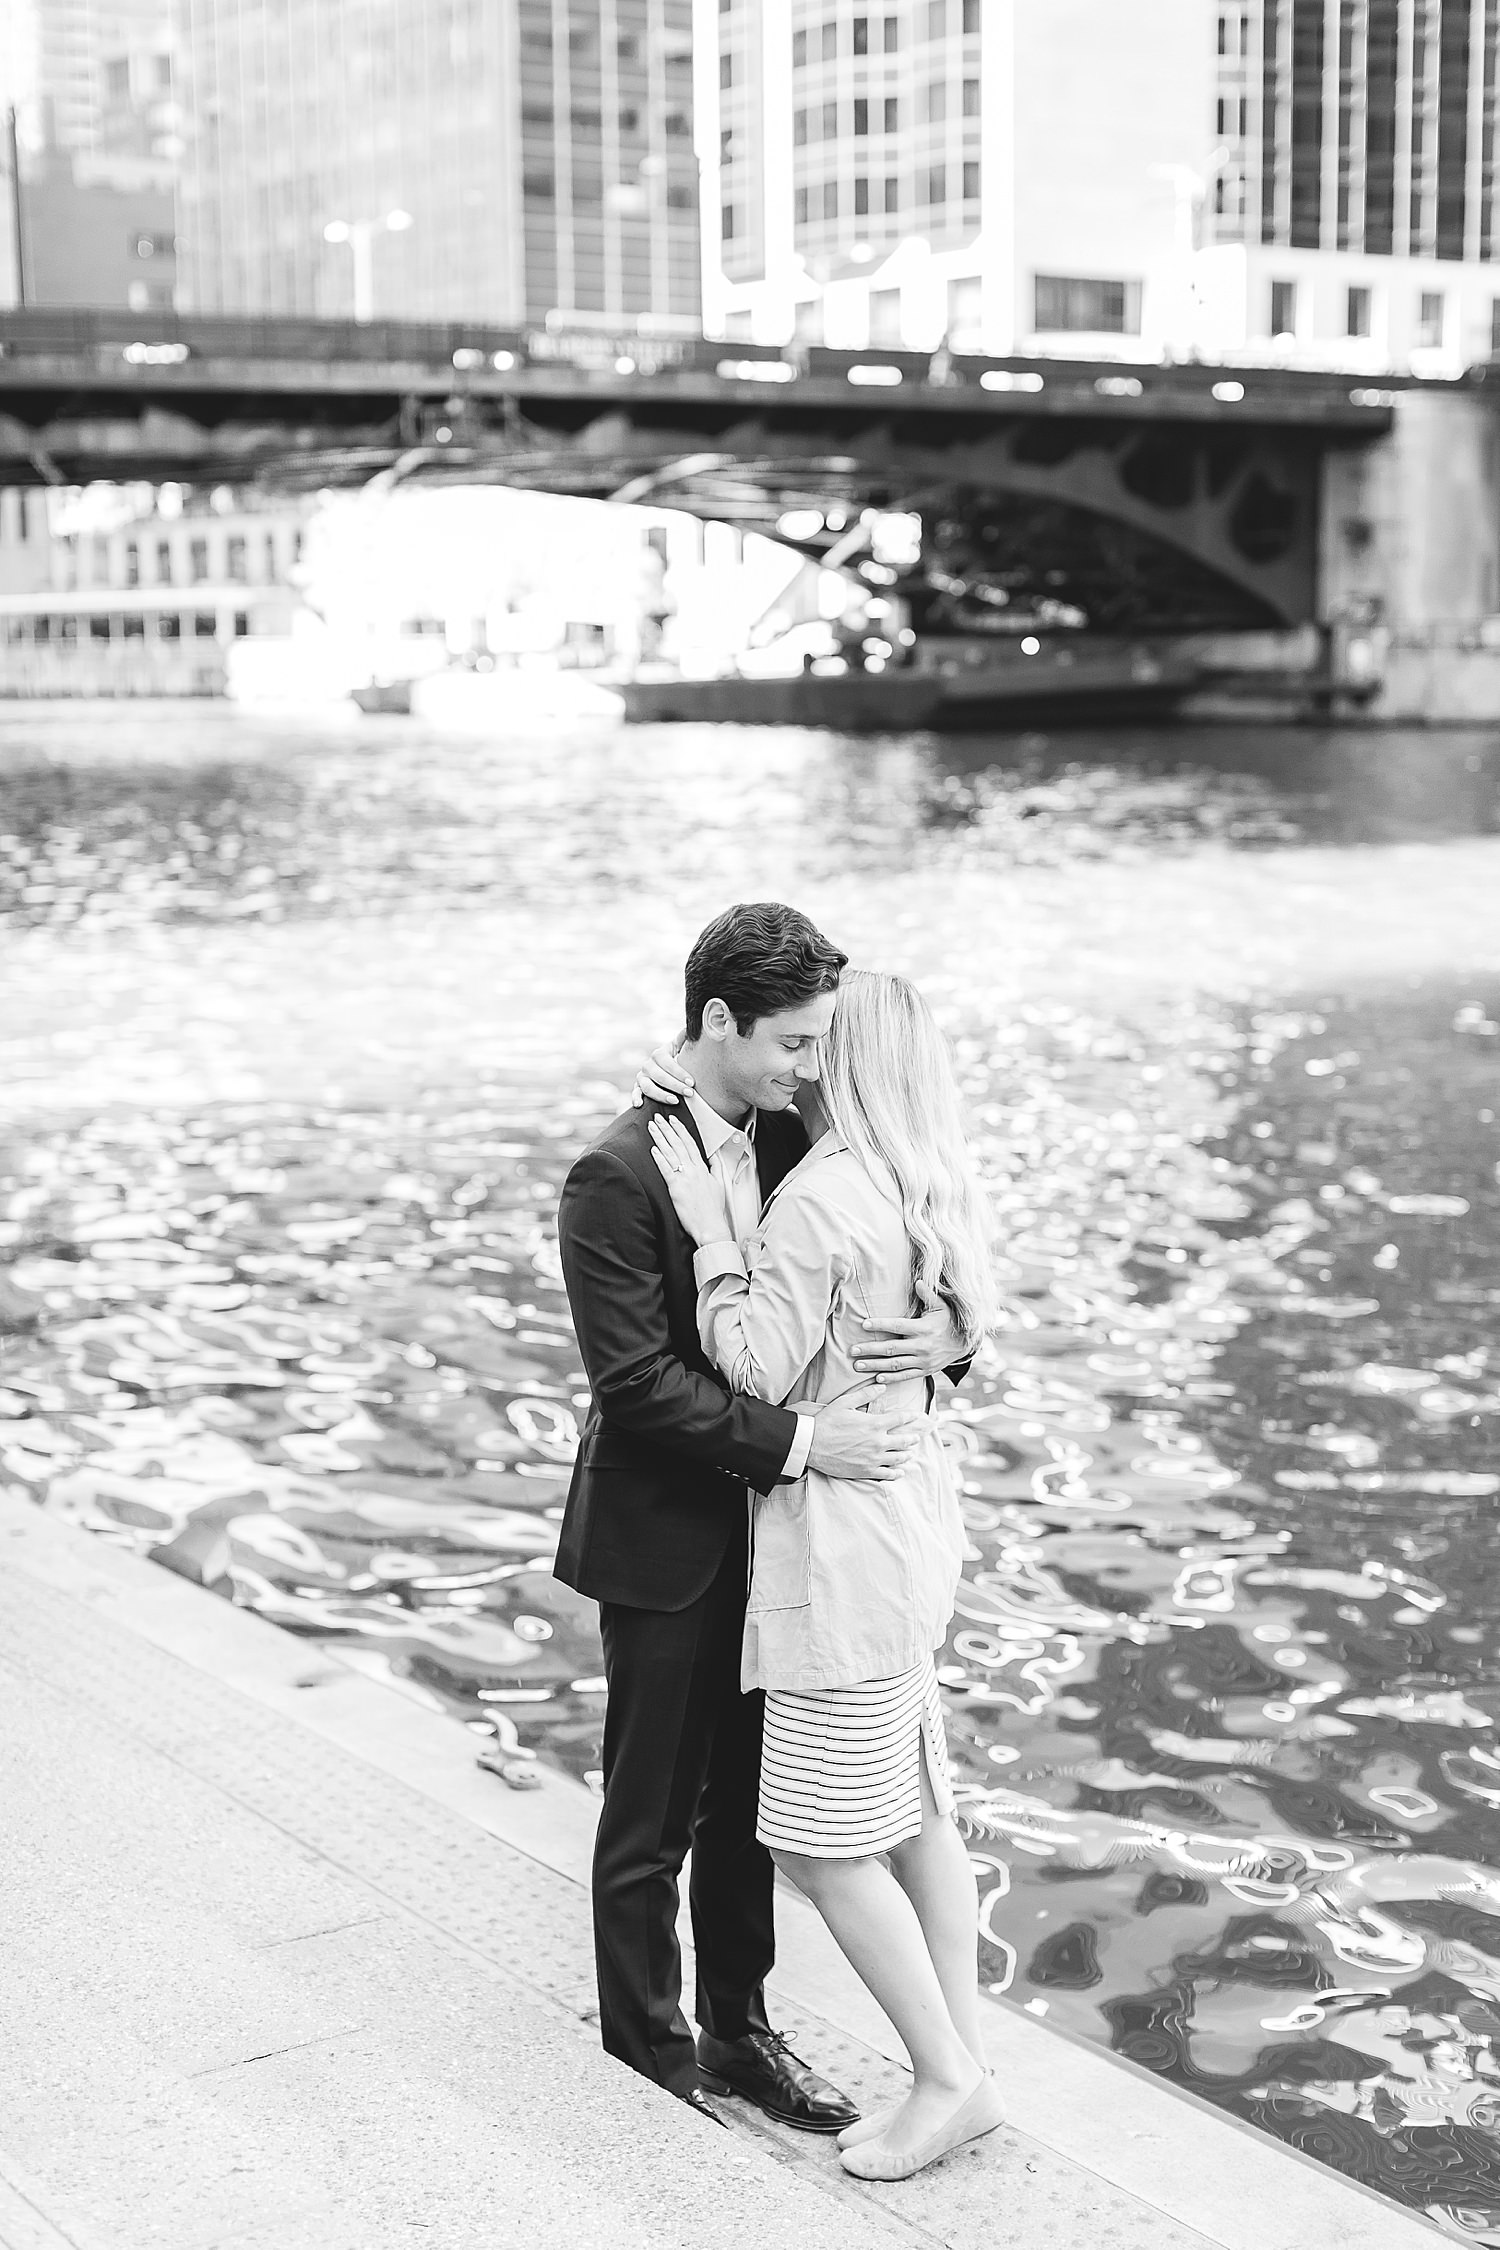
[303,1022]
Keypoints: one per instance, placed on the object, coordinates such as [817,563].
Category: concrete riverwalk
[284,1970]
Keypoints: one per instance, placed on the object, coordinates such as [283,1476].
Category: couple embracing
[770,1262]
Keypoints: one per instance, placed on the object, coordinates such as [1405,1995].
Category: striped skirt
[840,1773]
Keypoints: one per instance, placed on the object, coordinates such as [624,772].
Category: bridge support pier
[1410,564]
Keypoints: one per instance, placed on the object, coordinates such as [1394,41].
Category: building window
[117,78]
[892,121]
[971,97]
[971,180]
[937,19]
[728,222]
[799,50]
[241,624]
[799,207]
[830,121]
[891,34]
[1223,35]
[678,125]
[726,143]
[936,102]
[861,117]
[1283,308]
[861,35]
[132,563]
[726,70]
[537,186]
[1357,312]
[682,196]
[830,199]
[168,626]
[1101,308]
[1495,327]
[1430,316]
[236,560]
[971,15]
[270,572]
[163,562]
[892,193]
[830,42]
[885,316]
[799,128]
[203,625]
[965,307]
[198,561]
[861,197]
[936,181]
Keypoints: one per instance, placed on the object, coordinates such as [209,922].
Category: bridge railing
[450,351]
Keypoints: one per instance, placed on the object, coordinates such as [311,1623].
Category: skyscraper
[97,125]
[536,156]
[984,171]
[1357,175]
[1310,181]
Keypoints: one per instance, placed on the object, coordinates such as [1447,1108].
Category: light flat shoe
[978,2115]
[870,2128]
[867,2128]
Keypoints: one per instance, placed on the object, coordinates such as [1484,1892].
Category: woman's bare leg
[933,1869]
[876,1927]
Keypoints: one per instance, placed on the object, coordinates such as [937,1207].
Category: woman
[852,1584]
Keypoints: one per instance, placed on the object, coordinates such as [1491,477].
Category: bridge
[1118,497]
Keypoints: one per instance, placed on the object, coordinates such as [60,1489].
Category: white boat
[509,699]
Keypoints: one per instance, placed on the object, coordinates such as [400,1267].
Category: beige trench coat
[849,1581]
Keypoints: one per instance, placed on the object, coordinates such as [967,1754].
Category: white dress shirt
[730,1150]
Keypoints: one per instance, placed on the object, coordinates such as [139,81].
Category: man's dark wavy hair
[759,960]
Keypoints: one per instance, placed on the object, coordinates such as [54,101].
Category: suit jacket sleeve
[607,1235]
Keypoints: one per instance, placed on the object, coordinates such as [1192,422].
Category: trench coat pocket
[780,1551]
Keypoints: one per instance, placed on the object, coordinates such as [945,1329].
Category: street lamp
[360,235]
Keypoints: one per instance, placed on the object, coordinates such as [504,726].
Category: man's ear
[718,1020]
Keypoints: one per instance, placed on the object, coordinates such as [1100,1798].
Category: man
[656,1525]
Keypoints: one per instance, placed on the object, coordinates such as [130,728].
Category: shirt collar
[715,1131]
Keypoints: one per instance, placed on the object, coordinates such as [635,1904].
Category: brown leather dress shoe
[762,2068]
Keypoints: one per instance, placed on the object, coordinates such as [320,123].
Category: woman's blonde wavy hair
[890,1091]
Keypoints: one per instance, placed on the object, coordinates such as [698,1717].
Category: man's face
[779,1054]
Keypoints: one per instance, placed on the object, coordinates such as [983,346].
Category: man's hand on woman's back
[852,1438]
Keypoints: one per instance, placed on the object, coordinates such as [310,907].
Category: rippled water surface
[303,1022]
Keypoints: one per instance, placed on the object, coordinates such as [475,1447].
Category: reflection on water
[1223,1685]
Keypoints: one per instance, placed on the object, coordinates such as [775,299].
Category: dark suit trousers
[681,1767]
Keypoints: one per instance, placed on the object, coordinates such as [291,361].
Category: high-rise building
[992,172]
[1354,193]
[91,82]
[1308,181]
[477,160]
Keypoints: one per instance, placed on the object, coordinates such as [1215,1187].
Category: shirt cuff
[717,1259]
[795,1464]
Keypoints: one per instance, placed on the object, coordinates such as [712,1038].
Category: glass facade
[609,181]
[543,151]
[1364,125]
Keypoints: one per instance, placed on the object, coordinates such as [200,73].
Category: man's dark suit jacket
[659,1484]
